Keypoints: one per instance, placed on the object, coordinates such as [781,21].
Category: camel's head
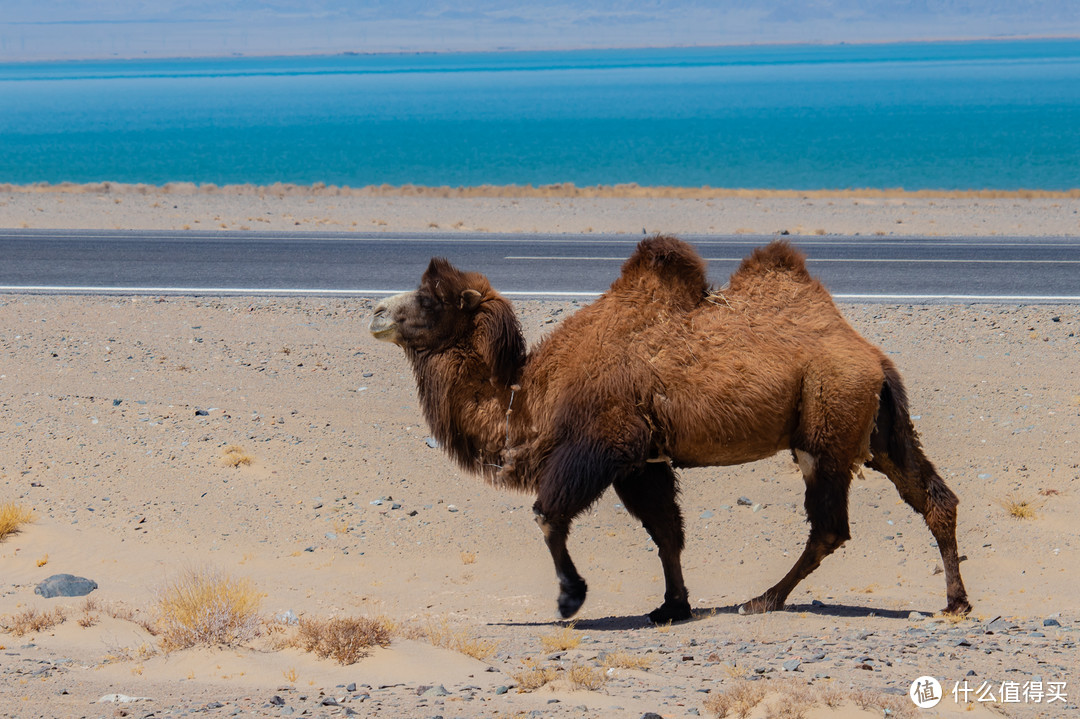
[453,309]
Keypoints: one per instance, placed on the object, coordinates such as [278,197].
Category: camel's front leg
[572,587]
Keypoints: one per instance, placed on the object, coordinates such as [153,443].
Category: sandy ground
[303,209]
[346,511]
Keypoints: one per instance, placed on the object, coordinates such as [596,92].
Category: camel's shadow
[622,623]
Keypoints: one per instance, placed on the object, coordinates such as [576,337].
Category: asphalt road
[888,269]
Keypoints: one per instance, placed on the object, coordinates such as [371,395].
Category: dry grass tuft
[626,660]
[13,516]
[204,606]
[345,639]
[235,455]
[1019,507]
[460,640]
[565,638]
[468,557]
[738,701]
[534,676]
[586,676]
[32,621]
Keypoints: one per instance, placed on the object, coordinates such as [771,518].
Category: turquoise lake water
[1002,115]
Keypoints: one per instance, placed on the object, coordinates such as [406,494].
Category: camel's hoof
[671,612]
[760,605]
[571,599]
[958,607]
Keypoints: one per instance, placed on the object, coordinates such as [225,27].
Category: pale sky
[67,29]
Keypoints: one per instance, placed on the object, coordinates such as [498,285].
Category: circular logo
[925,692]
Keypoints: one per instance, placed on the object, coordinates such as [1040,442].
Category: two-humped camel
[661,373]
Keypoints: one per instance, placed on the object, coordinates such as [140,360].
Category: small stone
[651,715]
[501,689]
[707,514]
[792,665]
[116,402]
[1051,623]
[329,702]
[451,508]
[438,691]
[287,617]
[277,701]
[201,413]
[743,502]
[369,374]
[817,603]
[916,617]
[65,585]
[756,508]
[432,442]
[351,687]
[330,535]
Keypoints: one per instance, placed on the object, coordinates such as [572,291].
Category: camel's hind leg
[651,497]
[897,454]
[827,483]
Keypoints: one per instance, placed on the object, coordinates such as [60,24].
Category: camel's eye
[428,303]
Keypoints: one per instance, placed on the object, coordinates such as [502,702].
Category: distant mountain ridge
[55,29]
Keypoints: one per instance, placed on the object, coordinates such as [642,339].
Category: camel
[663,372]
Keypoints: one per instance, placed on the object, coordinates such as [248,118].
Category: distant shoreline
[561,190]
[542,48]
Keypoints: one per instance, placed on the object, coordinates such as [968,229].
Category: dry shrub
[13,516]
[235,455]
[1020,507]
[586,676]
[468,557]
[345,639]
[793,702]
[739,701]
[626,660]
[204,606]
[561,640]
[31,621]
[459,640]
[534,676]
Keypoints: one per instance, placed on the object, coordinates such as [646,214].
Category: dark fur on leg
[897,453]
[827,511]
[651,496]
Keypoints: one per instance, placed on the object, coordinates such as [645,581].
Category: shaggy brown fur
[661,373]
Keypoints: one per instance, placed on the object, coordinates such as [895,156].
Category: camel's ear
[470,300]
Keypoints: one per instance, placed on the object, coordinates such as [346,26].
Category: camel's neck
[467,413]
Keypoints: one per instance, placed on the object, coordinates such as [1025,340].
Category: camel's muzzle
[383,326]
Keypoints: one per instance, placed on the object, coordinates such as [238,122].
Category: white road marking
[557,258]
[755,241]
[87,289]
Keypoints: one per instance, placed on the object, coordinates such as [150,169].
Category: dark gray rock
[1051,623]
[65,585]
[432,442]
[744,502]
[792,665]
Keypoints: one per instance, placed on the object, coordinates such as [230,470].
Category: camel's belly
[719,454]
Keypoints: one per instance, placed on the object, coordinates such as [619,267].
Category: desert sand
[117,413]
